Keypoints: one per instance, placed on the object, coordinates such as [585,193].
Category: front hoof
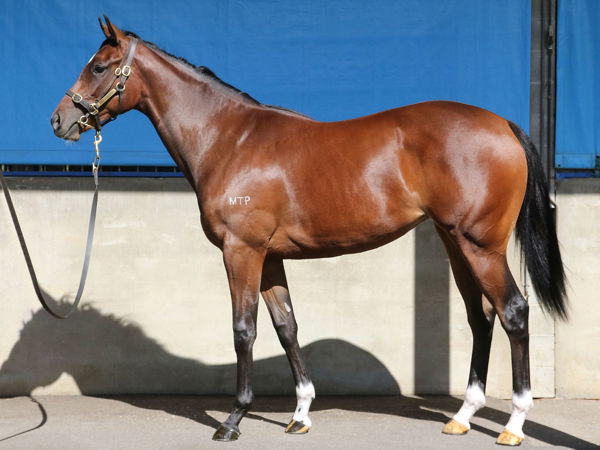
[456,428]
[508,438]
[296,427]
[226,434]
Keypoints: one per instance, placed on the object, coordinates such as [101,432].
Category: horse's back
[328,188]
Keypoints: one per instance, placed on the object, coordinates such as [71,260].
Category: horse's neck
[186,109]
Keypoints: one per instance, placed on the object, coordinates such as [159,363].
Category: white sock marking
[474,401]
[521,404]
[305,393]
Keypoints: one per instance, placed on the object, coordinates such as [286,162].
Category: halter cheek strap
[122,73]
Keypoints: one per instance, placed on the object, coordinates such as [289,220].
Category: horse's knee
[244,335]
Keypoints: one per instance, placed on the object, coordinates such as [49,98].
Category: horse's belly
[341,235]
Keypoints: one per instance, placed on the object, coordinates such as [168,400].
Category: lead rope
[41,295]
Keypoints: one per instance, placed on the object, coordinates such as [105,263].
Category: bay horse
[273,184]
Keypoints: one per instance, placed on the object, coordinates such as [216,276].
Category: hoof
[226,434]
[455,428]
[508,438]
[297,428]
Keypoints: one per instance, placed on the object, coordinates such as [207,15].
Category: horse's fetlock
[244,401]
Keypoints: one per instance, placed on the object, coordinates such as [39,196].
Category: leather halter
[93,109]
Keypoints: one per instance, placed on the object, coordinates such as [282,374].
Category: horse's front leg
[274,289]
[244,267]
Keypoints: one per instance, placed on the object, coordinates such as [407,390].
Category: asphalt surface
[187,422]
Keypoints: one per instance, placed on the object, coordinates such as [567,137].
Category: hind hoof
[296,427]
[226,434]
[508,438]
[455,428]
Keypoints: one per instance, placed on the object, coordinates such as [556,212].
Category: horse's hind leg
[490,268]
[275,292]
[514,316]
[481,317]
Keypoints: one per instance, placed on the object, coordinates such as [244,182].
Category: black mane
[205,71]
[199,69]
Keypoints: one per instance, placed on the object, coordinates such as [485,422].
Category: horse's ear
[111,32]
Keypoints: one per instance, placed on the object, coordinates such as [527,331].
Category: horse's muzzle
[64,131]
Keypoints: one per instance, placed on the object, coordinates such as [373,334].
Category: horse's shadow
[106,355]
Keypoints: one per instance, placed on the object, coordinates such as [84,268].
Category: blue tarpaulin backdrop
[578,84]
[332,60]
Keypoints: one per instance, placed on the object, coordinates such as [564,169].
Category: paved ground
[170,422]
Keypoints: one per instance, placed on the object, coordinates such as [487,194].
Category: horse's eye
[99,69]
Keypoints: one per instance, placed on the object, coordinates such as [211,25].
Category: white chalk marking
[242,200]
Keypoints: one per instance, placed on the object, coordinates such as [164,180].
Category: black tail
[536,231]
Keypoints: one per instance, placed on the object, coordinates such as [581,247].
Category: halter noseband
[93,109]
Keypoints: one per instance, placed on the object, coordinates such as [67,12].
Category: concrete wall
[578,341]
[156,315]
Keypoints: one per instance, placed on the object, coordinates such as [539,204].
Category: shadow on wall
[107,355]
[432,306]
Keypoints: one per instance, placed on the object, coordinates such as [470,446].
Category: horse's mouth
[72,133]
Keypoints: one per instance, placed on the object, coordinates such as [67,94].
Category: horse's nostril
[55,121]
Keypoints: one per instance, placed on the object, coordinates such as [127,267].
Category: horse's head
[99,94]
[101,352]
